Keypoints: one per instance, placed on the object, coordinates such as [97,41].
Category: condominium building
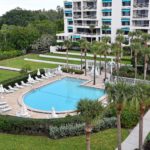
[88,18]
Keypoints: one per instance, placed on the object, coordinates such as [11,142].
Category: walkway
[132,141]
[78,54]
[9,68]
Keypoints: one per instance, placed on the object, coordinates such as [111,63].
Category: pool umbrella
[54,115]
[38,72]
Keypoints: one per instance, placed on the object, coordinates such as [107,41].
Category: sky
[6,5]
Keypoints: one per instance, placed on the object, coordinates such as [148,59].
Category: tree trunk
[81,60]
[105,67]
[145,66]
[94,81]
[88,130]
[119,130]
[117,57]
[67,61]
[135,61]
[100,64]
[85,61]
[142,110]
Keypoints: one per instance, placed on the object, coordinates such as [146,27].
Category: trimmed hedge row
[72,71]
[20,78]
[10,54]
[79,129]
[16,125]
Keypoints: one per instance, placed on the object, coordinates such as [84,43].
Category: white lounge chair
[5,109]
[25,84]
[38,79]
[44,77]
[2,103]
[4,106]
[12,88]
[8,91]
[18,86]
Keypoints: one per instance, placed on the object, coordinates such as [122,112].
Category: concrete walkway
[132,141]
[10,68]
[78,54]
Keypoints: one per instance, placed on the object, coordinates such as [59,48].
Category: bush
[72,71]
[25,69]
[129,116]
[78,129]
[15,125]
[10,54]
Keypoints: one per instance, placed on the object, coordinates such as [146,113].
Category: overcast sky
[6,5]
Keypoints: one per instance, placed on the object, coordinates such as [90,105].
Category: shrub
[25,69]
[78,129]
[15,125]
[72,71]
[129,116]
[10,54]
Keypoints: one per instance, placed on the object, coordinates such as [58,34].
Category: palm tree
[139,96]
[146,52]
[94,50]
[91,27]
[146,39]
[106,46]
[117,51]
[100,52]
[136,47]
[82,49]
[85,46]
[89,111]
[120,39]
[67,44]
[119,93]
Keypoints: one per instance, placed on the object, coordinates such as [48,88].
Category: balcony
[77,16]
[141,5]
[77,8]
[85,24]
[89,16]
[140,16]
[140,23]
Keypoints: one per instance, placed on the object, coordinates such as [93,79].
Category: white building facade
[87,18]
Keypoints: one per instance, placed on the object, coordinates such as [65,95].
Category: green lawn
[105,140]
[19,62]
[5,75]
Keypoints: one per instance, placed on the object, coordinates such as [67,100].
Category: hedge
[72,71]
[18,79]
[16,125]
[79,129]
[10,54]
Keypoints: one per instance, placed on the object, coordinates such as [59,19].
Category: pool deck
[15,99]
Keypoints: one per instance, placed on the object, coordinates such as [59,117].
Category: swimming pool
[62,95]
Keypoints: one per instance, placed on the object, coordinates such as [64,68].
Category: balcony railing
[140,5]
[140,16]
[87,33]
[77,16]
[77,8]
[140,25]
[90,16]
[89,7]
[85,24]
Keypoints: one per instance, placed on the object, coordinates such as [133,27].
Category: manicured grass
[105,140]
[5,75]
[19,62]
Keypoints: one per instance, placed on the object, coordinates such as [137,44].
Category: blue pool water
[63,95]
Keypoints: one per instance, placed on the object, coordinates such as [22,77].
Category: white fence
[129,80]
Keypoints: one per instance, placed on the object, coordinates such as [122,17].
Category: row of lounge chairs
[30,82]
[4,107]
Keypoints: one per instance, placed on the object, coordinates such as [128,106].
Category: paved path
[78,54]
[10,68]
[132,141]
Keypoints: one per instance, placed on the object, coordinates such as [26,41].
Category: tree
[119,93]
[136,47]
[100,52]
[81,51]
[94,50]
[106,46]
[67,44]
[146,51]
[140,96]
[89,111]
[85,46]
[92,27]
[43,43]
